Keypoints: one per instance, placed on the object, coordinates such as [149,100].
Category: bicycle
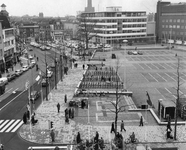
[129,140]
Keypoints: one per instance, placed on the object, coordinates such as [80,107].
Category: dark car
[129,53]
[11,76]
[140,53]
[34,95]
[18,72]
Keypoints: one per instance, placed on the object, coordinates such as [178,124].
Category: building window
[178,20]
[178,26]
[182,21]
[163,20]
[12,42]
[174,26]
[163,26]
[166,26]
[170,20]
[167,20]
[174,20]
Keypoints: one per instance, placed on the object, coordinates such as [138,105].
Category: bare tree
[86,30]
[117,103]
[177,97]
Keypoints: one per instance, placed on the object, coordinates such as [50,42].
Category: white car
[4,80]
[25,68]
[134,52]
[49,74]
[32,61]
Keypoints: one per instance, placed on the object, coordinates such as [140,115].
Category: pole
[47,82]
[125,74]
[55,71]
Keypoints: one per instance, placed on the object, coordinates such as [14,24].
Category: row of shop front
[9,61]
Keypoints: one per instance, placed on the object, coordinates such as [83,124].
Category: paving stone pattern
[65,133]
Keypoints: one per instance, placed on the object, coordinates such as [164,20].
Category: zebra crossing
[10,125]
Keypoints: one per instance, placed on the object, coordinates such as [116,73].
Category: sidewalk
[65,133]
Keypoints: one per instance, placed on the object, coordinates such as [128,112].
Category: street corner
[34,134]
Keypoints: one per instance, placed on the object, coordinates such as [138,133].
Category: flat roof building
[171,21]
[114,25]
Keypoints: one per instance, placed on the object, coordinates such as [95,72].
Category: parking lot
[156,72]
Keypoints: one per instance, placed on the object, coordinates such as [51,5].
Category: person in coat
[112,128]
[25,117]
[58,107]
[122,126]
[52,135]
[78,138]
[141,121]
[65,99]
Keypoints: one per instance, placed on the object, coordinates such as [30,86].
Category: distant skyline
[61,8]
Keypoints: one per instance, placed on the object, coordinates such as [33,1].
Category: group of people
[122,127]
[69,113]
[26,116]
[98,143]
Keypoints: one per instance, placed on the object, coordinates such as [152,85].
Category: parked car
[25,68]
[44,82]
[49,74]
[129,53]
[140,53]
[18,72]
[134,52]
[11,76]
[4,80]
[34,95]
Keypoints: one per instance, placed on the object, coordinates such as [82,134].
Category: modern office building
[114,25]
[171,22]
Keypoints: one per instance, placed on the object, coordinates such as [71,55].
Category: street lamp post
[55,62]
[125,42]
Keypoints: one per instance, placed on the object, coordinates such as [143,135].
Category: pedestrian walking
[58,107]
[65,99]
[141,121]
[122,126]
[25,118]
[96,137]
[112,128]
[52,135]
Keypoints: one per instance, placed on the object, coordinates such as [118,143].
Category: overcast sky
[62,8]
